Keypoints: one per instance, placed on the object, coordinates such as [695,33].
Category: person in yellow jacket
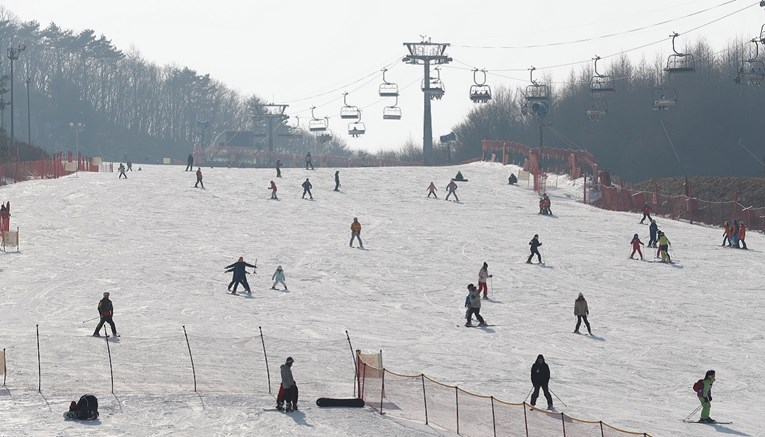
[664,247]
[356,232]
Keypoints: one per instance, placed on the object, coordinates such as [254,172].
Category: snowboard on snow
[338,402]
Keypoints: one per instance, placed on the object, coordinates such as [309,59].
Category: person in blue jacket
[278,277]
[240,275]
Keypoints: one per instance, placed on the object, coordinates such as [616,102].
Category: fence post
[5,368]
[424,398]
[525,419]
[563,423]
[265,355]
[457,401]
[109,352]
[382,391]
[193,370]
[493,418]
[355,367]
[601,429]
[39,366]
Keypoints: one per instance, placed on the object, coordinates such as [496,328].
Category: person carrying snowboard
[581,311]
[646,213]
[540,378]
[106,311]
[452,189]
[287,389]
[239,275]
[483,275]
[636,243]
[273,191]
[308,161]
[307,189]
[190,163]
[432,190]
[653,229]
[278,168]
[664,247]
[199,178]
[535,243]
[121,169]
[278,277]
[473,305]
[356,232]
[337,180]
[704,393]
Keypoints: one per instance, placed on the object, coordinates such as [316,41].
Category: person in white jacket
[288,388]
[483,275]
[278,278]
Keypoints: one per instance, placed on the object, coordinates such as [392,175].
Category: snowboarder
[664,247]
[106,311]
[473,305]
[308,161]
[273,191]
[653,229]
[452,189]
[459,177]
[741,234]
[287,385]
[636,243]
[727,235]
[646,213]
[535,243]
[432,190]
[337,180]
[199,178]
[705,396]
[546,204]
[278,277]
[239,275]
[278,168]
[307,189]
[581,311]
[512,180]
[540,378]
[121,169]
[190,163]
[483,274]
[356,232]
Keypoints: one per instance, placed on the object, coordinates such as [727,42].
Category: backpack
[87,408]
[698,387]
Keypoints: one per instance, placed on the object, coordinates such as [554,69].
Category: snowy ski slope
[159,246]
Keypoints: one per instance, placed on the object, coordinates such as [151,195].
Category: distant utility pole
[13,55]
[426,53]
[270,113]
[29,116]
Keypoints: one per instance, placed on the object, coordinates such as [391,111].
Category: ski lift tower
[271,113]
[426,53]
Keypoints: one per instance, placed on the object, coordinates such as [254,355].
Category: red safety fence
[59,165]
[417,397]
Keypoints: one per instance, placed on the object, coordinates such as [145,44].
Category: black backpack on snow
[87,408]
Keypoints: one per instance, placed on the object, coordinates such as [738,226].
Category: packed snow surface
[159,246]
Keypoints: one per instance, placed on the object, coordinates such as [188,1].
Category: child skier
[664,247]
[483,274]
[432,190]
[278,277]
[199,178]
[105,310]
[473,305]
[581,311]
[546,204]
[705,396]
[239,275]
[273,191]
[535,243]
[452,189]
[636,243]
[356,232]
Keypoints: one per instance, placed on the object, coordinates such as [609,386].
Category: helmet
[106,294]
[635,235]
[536,235]
[289,360]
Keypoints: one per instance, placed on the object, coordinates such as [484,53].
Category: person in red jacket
[199,178]
[728,235]
[273,191]
[636,243]
[742,235]
[646,213]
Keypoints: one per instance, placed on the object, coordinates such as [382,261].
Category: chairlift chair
[536,92]
[348,112]
[597,109]
[679,62]
[752,70]
[601,82]
[479,91]
[392,112]
[388,89]
[664,98]
[435,88]
[356,128]
[317,124]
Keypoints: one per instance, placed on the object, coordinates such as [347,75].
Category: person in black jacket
[540,377]
[653,229]
[278,168]
[307,189]
[534,243]
[337,180]
[190,163]
[105,310]
[240,275]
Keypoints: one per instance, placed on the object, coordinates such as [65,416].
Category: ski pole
[527,396]
[89,320]
[491,277]
[692,413]
[561,400]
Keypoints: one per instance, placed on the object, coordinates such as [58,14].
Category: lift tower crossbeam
[271,113]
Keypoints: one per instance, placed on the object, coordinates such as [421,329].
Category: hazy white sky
[306,53]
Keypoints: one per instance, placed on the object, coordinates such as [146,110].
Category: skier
[278,277]
[741,234]
[646,213]
[534,243]
[190,163]
[199,178]
[653,229]
[664,247]
[432,190]
[473,305]
[239,275]
[542,206]
[121,169]
[278,168]
[5,216]
[129,166]
[452,189]
[308,161]
[337,180]
[273,191]
[483,274]
[512,180]
[636,243]
[727,235]
[540,377]
[705,396]
[287,385]
[105,310]
[546,204]
[581,311]
[356,232]
[307,189]
[735,234]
